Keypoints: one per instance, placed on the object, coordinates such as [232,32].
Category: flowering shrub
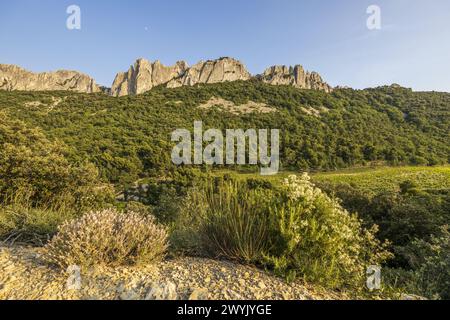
[314,237]
[108,238]
[295,230]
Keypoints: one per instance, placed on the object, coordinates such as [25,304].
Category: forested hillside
[129,138]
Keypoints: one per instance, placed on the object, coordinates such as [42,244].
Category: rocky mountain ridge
[144,75]
[14,78]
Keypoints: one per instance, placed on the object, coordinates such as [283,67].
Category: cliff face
[212,71]
[294,76]
[15,78]
[144,75]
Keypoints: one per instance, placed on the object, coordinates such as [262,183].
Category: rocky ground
[24,275]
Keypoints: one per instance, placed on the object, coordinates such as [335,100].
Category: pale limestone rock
[212,71]
[144,75]
[14,78]
[411,297]
[199,294]
[294,76]
[162,291]
[229,106]
[129,296]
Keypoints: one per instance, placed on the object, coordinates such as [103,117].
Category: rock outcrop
[231,107]
[212,71]
[294,76]
[144,75]
[15,78]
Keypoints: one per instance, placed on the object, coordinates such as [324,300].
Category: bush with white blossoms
[296,230]
[315,238]
[108,238]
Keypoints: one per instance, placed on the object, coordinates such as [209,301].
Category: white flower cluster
[301,188]
[315,222]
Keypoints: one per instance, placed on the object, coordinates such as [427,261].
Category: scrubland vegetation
[63,170]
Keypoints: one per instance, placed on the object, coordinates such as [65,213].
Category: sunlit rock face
[212,71]
[294,76]
[145,75]
[15,78]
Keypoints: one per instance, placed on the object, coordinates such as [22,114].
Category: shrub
[26,225]
[222,219]
[295,230]
[236,222]
[430,276]
[402,216]
[138,207]
[108,238]
[408,186]
[186,234]
[39,187]
[37,171]
[315,238]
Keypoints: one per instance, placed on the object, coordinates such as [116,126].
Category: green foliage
[413,215]
[373,181]
[54,162]
[107,238]
[36,171]
[223,218]
[297,231]
[314,237]
[167,204]
[128,138]
[138,207]
[21,224]
[40,187]
[236,222]
[186,237]
[401,216]
[408,187]
[431,265]
[430,273]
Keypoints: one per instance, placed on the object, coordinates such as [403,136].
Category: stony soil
[24,275]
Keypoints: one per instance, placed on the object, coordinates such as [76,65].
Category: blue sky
[329,36]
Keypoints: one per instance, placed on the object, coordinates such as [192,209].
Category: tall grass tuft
[236,224]
[22,224]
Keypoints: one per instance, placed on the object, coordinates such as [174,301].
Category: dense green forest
[129,138]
